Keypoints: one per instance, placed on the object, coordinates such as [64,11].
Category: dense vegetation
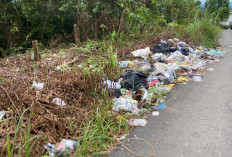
[51,22]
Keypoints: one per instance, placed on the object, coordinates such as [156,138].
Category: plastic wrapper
[138,122]
[58,102]
[126,104]
[62,149]
[38,85]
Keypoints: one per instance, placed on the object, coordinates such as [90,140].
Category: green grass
[29,142]
[204,31]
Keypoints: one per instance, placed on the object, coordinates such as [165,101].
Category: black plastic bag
[160,48]
[185,51]
[134,80]
[173,49]
[115,92]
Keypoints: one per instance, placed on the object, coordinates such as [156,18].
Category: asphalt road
[198,119]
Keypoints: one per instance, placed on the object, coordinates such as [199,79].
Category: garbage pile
[155,72]
[58,95]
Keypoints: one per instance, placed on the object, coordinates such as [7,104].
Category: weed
[204,31]
[27,146]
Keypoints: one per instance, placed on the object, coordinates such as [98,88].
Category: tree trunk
[128,30]
[36,50]
[9,36]
[75,33]
[78,20]
[95,28]
[142,26]
[121,19]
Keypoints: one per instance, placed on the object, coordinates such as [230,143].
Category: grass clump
[204,31]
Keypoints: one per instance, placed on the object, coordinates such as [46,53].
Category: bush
[204,31]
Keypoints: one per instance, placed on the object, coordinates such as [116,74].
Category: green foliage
[100,133]
[220,9]
[29,141]
[51,22]
[204,31]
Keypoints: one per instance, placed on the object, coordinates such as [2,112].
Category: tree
[221,8]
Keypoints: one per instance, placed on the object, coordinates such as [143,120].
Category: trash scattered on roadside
[38,85]
[62,149]
[112,85]
[125,64]
[63,66]
[2,114]
[160,48]
[152,83]
[168,87]
[176,56]
[213,51]
[210,69]
[181,79]
[142,65]
[171,76]
[122,137]
[159,57]
[134,80]
[151,78]
[58,102]
[217,60]
[138,122]
[155,113]
[126,103]
[197,78]
[160,106]
[143,53]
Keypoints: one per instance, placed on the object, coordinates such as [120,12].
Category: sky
[205,0]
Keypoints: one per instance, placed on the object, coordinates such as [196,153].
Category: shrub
[204,31]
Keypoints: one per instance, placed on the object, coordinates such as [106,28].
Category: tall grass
[204,31]
[99,134]
[28,145]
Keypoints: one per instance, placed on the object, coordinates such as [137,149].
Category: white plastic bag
[176,56]
[38,85]
[2,114]
[58,102]
[143,53]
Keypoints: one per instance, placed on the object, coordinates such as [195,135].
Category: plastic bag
[126,104]
[197,78]
[134,80]
[182,79]
[196,63]
[160,48]
[58,102]
[112,84]
[163,67]
[185,51]
[182,44]
[138,122]
[151,78]
[213,51]
[143,53]
[171,76]
[176,56]
[142,65]
[62,149]
[38,85]
[2,114]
